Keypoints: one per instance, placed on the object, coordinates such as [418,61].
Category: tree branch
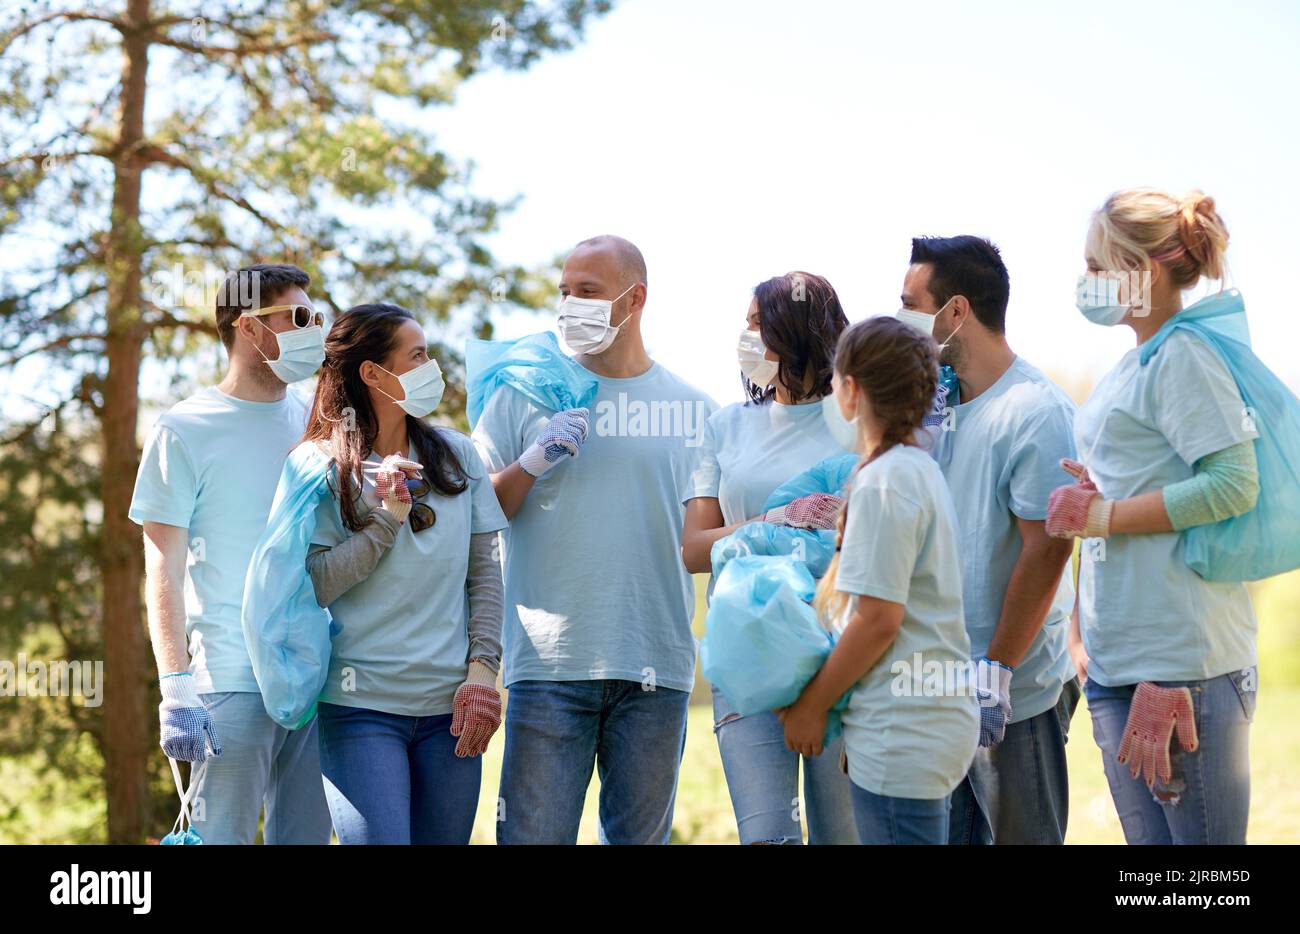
[69,15]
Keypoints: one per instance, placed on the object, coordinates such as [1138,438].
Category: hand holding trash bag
[814,511]
[763,642]
[562,438]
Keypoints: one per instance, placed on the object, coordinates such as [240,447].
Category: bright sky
[734,141]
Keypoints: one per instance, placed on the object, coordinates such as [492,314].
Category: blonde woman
[1169,657]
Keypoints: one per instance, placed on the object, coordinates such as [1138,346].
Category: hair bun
[1202,232]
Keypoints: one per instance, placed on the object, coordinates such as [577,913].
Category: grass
[38,806]
[703,813]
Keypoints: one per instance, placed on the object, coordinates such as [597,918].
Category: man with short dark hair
[203,493]
[1005,430]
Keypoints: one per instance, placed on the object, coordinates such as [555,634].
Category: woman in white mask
[785,351]
[408,531]
[1167,445]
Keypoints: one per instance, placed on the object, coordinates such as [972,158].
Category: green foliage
[289,130]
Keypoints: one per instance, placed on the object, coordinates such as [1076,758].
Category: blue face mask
[1097,298]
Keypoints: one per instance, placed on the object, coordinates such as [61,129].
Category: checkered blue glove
[934,418]
[185,726]
[562,438]
[993,688]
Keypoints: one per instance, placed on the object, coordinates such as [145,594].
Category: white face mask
[422,388]
[302,351]
[1098,299]
[584,322]
[752,352]
[924,321]
[843,430]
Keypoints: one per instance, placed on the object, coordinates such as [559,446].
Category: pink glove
[390,485]
[1152,717]
[476,710]
[814,511]
[1078,511]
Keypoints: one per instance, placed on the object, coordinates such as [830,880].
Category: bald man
[599,654]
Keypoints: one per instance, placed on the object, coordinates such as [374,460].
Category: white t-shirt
[908,732]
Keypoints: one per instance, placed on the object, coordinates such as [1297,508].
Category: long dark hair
[897,368]
[342,415]
[799,319]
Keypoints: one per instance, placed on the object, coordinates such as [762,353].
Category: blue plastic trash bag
[534,365]
[286,632]
[827,476]
[762,641]
[813,547]
[1266,540]
[183,832]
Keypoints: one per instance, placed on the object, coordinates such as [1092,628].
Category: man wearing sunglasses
[207,478]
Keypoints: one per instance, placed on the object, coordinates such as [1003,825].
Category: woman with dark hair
[404,557]
[749,449]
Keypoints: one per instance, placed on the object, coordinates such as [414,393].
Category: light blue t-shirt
[749,450]
[402,643]
[1001,455]
[912,723]
[595,586]
[211,465]
[1145,615]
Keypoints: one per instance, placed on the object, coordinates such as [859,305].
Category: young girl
[1168,445]
[404,558]
[893,595]
[749,450]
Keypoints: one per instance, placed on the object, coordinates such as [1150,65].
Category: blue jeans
[1207,800]
[885,820]
[392,779]
[261,764]
[555,730]
[1018,792]
[763,779]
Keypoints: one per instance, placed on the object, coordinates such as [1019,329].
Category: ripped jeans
[763,780]
[1207,800]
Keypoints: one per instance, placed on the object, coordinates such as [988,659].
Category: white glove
[993,688]
[562,438]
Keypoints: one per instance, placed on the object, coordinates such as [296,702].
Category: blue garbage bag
[814,548]
[534,365]
[1266,540]
[287,634]
[183,832]
[762,641]
[826,476]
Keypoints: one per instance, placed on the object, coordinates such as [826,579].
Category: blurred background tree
[147,148]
